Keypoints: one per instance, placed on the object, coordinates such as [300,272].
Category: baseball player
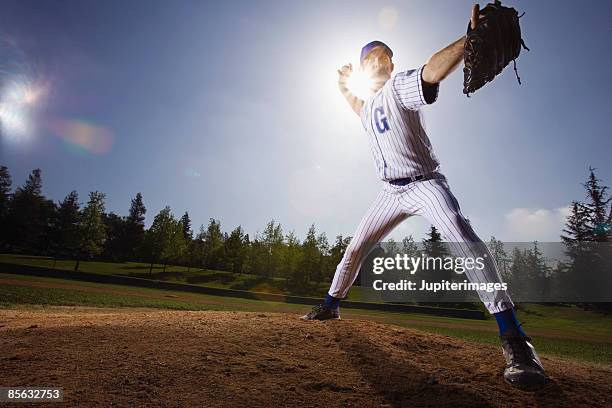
[414,185]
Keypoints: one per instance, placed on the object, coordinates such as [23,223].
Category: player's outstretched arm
[445,61]
[343,75]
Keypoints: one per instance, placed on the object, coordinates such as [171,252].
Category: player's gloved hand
[492,41]
[343,75]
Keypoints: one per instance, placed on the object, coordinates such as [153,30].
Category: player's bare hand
[475,16]
[344,73]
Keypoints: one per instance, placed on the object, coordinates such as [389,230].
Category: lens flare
[13,120]
[19,97]
[82,135]
[33,95]
[23,91]
[192,173]
[387,18]
[360,84]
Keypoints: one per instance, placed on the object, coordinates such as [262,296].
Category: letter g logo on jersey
[381,120]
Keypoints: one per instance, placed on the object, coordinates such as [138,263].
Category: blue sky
[231,110]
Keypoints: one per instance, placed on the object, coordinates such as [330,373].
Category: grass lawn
[564,332]
[172,273]
[180,274]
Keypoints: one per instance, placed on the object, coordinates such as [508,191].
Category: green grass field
[563,332]
[172,273]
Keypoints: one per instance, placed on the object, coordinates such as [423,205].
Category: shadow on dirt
[551,395]
[403,383]
[399,382]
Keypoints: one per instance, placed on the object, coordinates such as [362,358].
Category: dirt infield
[142,357]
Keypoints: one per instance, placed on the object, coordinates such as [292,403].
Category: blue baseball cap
[370,46]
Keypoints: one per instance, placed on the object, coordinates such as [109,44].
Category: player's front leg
[440,207]
[384,215]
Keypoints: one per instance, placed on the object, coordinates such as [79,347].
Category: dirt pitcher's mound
[130,357]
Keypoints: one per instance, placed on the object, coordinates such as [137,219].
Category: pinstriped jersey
[395,127]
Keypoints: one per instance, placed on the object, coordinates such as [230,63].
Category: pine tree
[258,256]
[587,238]
[310,256]
[197,254]
[33,185]
[434,239]
[235,251]
[186,222]
[137,210]
[500,256]
[29,216]
[336,252]
[92,232]
[597,208]
[292,260]
[434,245]
[66,227]
[5,198]
[157,237]
[272,241]
[597,271]
[5,190]
[608,225]
[324,256]
[436,250]
[576,226]
[538,275]
[115,245]
[519,271]
[176,245]
[278,251]
[134,229]
[213,245]
[247,253]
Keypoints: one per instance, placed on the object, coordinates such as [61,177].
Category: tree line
[586,273]
[33,224]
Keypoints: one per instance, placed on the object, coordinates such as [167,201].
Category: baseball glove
[491,45]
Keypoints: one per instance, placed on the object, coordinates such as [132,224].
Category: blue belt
[404,181]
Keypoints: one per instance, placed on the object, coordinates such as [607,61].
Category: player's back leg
[383,215]
[381,218]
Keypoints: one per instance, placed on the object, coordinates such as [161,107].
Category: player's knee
[465,227]
[355,253]
[351,253]
[459,219]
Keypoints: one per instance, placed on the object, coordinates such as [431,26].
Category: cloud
[528,224]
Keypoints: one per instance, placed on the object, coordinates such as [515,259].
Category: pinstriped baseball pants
[431,198]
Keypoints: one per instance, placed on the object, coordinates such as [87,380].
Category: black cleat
[322,312]
[523,367]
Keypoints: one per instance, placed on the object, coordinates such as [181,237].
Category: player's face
[378,63]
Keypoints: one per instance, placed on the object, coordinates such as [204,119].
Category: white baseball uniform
[401,149]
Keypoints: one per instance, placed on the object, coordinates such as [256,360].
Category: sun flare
[19,97]
[360,84]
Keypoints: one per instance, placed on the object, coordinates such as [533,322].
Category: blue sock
[506,321]
[331,302]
